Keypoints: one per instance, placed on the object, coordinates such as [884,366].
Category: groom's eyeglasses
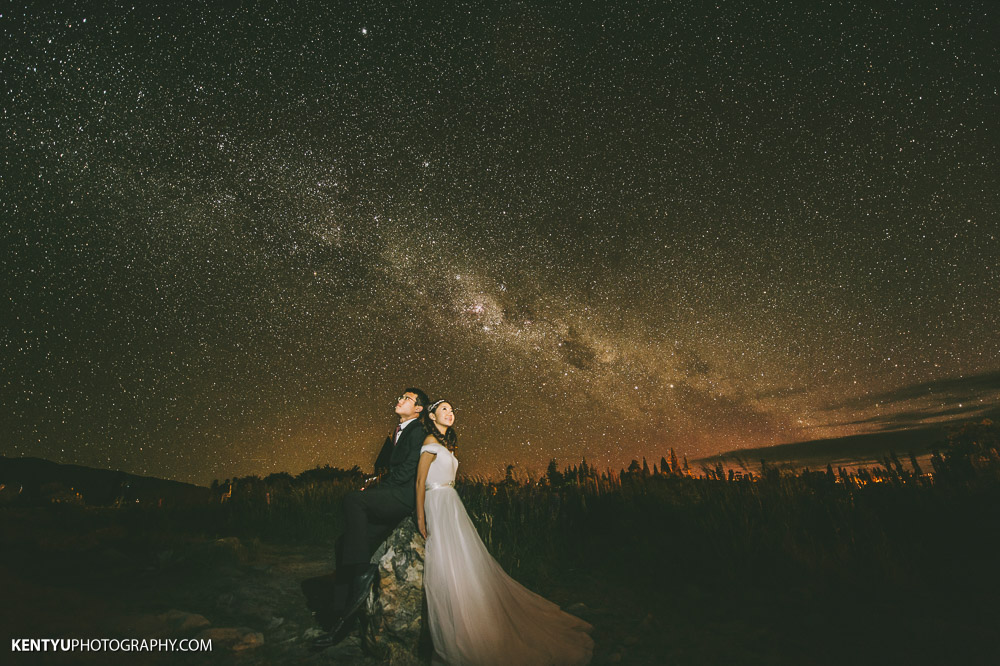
[406,397]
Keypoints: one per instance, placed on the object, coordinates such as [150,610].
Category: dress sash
[435,486]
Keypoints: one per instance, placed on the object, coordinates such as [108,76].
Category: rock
[392,620]
[173,623]
[312,632]
[230,550]
[236,639]
[144,624]
[348,651]
[181,622]
[225,601]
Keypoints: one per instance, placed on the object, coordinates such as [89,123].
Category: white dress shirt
[402,425]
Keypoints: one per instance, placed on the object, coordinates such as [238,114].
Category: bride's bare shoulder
[430,439]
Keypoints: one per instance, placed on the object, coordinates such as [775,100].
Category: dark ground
[75,573]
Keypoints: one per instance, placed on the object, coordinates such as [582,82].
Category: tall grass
[663,530]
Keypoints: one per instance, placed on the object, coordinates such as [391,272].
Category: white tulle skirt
[477,613]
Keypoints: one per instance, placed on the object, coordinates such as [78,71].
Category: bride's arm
[426,458]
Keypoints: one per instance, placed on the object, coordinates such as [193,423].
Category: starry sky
[233,232]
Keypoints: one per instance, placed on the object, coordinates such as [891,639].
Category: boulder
[236,639]
[182,622]
[393,628]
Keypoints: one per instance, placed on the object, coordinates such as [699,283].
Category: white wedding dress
[477,613]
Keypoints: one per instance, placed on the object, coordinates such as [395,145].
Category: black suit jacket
[398,463]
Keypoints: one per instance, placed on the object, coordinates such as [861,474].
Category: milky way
[232,235]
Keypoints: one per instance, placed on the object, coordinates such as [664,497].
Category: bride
[477,613]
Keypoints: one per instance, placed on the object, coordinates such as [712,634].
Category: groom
[372,514]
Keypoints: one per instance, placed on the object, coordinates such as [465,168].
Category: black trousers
[371,515]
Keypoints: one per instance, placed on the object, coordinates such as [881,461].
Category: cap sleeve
[431,448]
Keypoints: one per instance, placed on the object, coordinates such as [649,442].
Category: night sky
[233,234]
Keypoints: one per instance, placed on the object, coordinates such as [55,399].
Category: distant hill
[843,450]
[34,479]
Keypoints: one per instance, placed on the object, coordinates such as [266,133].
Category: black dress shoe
[342,627]
[360,587]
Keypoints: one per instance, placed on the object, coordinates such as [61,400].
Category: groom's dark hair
[422,399]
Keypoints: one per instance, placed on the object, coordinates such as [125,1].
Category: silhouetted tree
[937,462]
[279,480]
[553,475]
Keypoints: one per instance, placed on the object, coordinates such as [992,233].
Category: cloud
[932,403]
[920,417]
[954,389]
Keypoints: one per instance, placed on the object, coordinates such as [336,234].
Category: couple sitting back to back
[476,613]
